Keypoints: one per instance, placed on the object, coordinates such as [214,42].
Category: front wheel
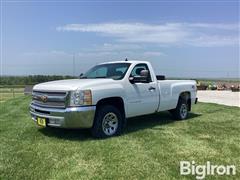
[107,122]
[181,111]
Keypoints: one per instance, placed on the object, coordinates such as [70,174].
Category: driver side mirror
[143,78]
[80,75]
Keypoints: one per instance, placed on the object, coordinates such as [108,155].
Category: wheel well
[186,96]
[114,101]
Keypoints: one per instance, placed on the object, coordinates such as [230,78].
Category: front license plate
[41,122]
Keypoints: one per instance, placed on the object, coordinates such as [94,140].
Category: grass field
[151,147]
[9,93]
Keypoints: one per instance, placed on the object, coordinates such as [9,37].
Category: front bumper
[71,117]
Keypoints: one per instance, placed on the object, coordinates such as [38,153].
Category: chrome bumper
[71,117]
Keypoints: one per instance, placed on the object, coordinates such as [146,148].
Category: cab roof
[129,61]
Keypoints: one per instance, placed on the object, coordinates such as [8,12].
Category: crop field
[150,148]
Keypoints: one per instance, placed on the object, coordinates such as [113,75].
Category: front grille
[49,99]
[43,112]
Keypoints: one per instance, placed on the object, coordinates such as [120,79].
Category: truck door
[142,98]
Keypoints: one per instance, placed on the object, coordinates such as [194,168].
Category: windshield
[114,71]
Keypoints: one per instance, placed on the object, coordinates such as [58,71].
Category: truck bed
[169,92]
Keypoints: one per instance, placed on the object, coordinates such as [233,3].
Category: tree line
[30,80]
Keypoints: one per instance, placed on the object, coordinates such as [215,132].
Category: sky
[180,38]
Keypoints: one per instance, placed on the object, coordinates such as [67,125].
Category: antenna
[126,59]
[73,64]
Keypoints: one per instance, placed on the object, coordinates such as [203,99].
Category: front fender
[106,91]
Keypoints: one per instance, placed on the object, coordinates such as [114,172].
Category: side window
[137,71]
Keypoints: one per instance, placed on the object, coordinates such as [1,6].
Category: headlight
[81,97]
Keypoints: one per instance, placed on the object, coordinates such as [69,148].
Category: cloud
[118,51]
[213,41]
[214,26]
[193,34]
[120,54]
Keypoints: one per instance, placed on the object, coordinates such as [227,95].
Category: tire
[181,111]
[107,122]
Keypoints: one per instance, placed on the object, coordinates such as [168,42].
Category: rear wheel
[107,122]
[181,111]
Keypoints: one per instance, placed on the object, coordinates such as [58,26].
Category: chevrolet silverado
[105,96]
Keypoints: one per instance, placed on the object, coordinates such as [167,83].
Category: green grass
[151,146]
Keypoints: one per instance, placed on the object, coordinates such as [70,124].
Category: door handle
[151,88]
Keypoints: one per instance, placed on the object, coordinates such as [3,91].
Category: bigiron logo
[201,171]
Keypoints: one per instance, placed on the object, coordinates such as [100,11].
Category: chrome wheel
[110,124]
[183,111]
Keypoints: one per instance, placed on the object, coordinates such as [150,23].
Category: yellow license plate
[41,122]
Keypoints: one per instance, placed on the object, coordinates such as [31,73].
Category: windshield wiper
[93,77]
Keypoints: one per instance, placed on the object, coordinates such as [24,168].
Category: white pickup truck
[106,95]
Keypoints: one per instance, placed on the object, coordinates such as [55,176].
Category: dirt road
[220,97]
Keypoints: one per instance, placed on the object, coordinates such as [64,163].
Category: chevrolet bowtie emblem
[43,98]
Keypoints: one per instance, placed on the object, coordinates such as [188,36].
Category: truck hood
[70,84]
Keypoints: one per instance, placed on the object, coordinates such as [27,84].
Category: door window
[137,71]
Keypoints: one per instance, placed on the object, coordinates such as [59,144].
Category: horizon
[181,39]
[168,77]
